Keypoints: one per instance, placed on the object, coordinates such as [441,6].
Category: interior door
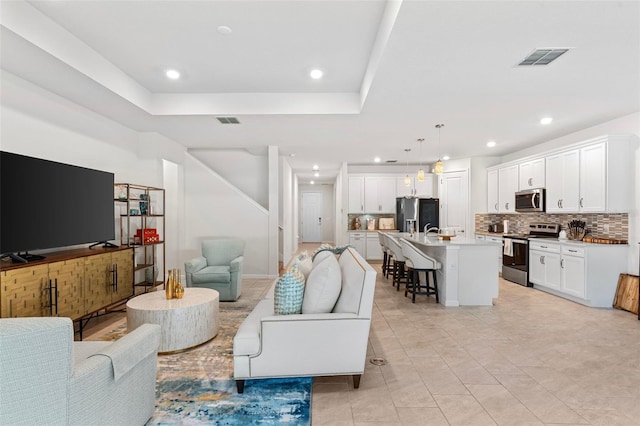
[311,217]
[454,201]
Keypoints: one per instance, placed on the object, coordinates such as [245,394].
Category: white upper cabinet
[531,174]
[563,186]
[401,189]
[424,189]
[507,188]
[356,194]
[593,178]
[380,194]
[417,188]
[493,205]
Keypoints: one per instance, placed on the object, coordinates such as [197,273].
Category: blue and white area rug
[197,387]
[216,402]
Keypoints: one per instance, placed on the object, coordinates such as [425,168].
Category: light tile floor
[531,359]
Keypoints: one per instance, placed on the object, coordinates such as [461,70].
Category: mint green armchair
[48,379]
[219,268]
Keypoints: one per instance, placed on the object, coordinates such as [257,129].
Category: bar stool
[417,261]
[399,272]
[385,254]
[386,271]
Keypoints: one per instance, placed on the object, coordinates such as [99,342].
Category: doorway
[311,218]
[454,200]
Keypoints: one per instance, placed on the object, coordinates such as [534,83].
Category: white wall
[286,210]
[38,123]
[215,208]
[243,169]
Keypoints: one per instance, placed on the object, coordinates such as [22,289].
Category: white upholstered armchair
[47,378]
[219,268]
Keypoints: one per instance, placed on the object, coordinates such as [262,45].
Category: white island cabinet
[469,273]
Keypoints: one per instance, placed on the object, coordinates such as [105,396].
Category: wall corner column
[273,210]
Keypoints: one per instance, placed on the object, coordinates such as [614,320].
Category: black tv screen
[45,204]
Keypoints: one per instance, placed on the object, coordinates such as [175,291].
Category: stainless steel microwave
[530,200]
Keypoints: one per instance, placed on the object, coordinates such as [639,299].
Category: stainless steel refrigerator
[418,212]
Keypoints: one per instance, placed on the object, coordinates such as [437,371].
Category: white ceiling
[392,71]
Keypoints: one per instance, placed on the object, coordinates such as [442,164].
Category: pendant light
[407,179]
[439,167]
[420,171]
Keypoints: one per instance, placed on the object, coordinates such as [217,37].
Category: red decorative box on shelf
[148,235]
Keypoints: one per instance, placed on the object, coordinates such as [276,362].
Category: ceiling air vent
[228,120]
[542,57]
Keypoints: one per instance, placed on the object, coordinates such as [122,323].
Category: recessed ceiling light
[316,174]
[172,74]
[315,167]
[491,144]
[312,182]
[377,160]
[546,120]
[446,157]
[316,74]
[224,30]
[292,155]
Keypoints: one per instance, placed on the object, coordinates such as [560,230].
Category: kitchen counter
[372,230]
[469,273]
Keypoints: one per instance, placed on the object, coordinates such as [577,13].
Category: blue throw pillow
[289,293]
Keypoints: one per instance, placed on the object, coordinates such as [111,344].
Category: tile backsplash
[363,218]
[618,223]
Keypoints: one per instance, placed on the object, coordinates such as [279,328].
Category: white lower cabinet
[367,244]
[358,240]
[544,265]
[374,251]
[572,270]
[584,273]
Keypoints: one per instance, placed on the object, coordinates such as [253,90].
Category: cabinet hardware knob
[542,260]
[581,198]
[530,181]
[562,263]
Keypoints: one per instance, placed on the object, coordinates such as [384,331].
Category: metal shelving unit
[142,208]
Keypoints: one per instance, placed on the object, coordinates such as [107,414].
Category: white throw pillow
[322,255]
[323,286]
[304,263]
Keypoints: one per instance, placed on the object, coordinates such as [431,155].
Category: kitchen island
[469,273]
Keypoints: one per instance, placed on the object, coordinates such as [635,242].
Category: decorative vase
[169,286]
[144,203]
[178,289]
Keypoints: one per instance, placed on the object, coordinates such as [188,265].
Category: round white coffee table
[185,323]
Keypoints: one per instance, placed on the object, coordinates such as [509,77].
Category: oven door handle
[520,242]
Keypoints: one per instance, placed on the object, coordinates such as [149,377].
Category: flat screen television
[45,204]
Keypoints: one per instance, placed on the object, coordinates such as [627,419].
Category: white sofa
[47,379]
[268,345]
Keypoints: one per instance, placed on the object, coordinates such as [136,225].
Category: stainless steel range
[515,251]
